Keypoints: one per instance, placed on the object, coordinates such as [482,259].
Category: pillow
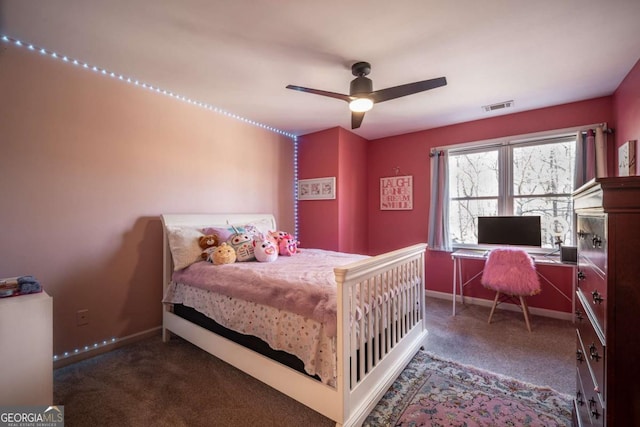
[262,226]
[224,232]
[183,243]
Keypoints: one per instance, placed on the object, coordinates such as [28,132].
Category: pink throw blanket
[303,284]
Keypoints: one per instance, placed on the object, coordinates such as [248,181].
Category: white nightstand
[26,350]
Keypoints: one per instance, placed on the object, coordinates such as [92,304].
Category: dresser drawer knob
[593,408]
[596,241]
[581,275]
[579,356]
[579,315]
[579,398]
[597,298]
[582,235]
[593,352]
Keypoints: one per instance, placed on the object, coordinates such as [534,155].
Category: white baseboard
[503,306]
[103,347]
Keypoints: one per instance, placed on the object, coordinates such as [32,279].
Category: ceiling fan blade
[356,119]
[404,90]
[321,92]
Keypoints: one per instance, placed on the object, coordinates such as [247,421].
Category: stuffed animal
[223,254]
[208,244]
[264,249]
[288,245]
[277,236]
[242,243]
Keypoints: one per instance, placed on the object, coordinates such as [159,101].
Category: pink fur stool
[511,273]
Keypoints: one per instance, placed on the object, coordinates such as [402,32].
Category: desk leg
[574,280]
[460,281]
[455,284]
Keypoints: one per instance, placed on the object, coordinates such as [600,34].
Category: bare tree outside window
[473,191]
[535,178]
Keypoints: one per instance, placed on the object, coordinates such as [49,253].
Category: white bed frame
[359,386]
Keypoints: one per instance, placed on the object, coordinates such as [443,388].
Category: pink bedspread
[303,283]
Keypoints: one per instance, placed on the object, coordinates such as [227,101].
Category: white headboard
[200,221]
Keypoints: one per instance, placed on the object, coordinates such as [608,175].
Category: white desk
[462,254]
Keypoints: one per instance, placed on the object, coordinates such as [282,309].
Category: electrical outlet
[82,317]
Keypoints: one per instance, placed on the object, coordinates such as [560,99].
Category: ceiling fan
[362,96]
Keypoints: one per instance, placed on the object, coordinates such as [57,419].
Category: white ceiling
[239,55]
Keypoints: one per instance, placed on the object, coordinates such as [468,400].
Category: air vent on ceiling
[498,106]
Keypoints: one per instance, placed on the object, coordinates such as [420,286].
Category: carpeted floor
[545,356]
[177,384]
[152,383]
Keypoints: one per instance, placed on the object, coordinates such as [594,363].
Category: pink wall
[352,187]
[626,104]
[410,153]
[89,163]
[318,219]
[341,224]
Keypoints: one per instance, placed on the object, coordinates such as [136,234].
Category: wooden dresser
[608,303]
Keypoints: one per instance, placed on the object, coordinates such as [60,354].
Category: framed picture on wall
[627,158]
[396,193]
[317,188]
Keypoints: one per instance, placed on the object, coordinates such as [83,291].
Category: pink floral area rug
[436,392]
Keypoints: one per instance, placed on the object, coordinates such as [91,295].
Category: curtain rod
[604,129]
[524,137]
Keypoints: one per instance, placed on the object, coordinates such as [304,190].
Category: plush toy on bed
[264,248]
[288,245]
[242,243]
[208,244]
[223,254]
[277,236]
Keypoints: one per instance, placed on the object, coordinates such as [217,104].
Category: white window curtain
[439,237]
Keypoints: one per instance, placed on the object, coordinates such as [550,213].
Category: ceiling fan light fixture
[362,96]
[361,105]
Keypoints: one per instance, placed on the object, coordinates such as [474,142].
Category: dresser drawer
[580,402]
[591,412]
[594,289]
[585,368]
[592,241]
[593,351]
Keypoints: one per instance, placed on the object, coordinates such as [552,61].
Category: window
[513,178]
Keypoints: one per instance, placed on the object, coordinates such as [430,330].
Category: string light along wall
[295,187]
[135,82]
[85,349]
